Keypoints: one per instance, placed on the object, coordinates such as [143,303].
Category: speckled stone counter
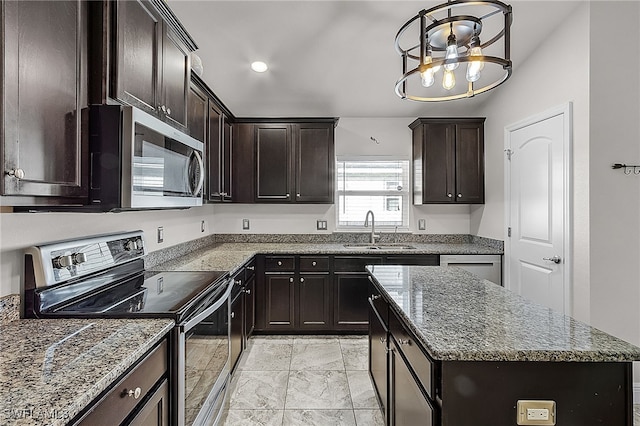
[51,369]
[230,256]
[457,316]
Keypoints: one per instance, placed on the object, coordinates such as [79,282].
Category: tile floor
[307,380]
[303,380]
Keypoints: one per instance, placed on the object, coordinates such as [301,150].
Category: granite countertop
[231,256]
[51,369]
[459,317]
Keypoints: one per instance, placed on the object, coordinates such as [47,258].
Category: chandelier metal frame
[433,37]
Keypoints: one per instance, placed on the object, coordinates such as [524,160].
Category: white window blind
[378,185]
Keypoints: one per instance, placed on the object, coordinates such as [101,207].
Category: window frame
[405,193]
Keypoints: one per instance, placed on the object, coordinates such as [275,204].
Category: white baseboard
[636,393]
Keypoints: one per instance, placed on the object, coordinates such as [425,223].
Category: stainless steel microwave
[139,162]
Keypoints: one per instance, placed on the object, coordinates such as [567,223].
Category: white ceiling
[329,58]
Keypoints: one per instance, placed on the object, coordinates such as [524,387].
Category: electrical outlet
[532,413]
[321,225]
[160,234]
[245,224]
[203,226]
[422,224]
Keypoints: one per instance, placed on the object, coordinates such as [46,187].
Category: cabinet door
[350,302]
[137,56]
[214,151]
[226,175]
[408,406]
[44,85]
[249,307]
[197,113]
[273,162]
[155,411]
[438,162]
[236,325]
[315,163]
[314,299]
[279,289]
[378,363]
[243,159]
[175,78]
[470,163]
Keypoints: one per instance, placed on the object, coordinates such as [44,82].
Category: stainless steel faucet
[373,226]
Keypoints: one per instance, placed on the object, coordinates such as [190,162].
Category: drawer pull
[301,280]
[314,263]
[290,280]
[251,268]
[405,342]
[383,340]
[233,315]
[248,291]
[375,296]
[279,262]
[135,394]
[238,282]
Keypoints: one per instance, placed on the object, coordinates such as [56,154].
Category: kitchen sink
[379,246]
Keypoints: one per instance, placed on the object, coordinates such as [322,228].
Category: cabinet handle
[163,108]
[16,173]
[405,342]
[297,195]
[288,195]
[279,263]
[248,291]
[251,268]
[237,282]
[449,195]
[135,394]
[301,280]
[290,280]
[314,263]
[375,296]
[383,340]
[459,195]
[168,111]
[233,315]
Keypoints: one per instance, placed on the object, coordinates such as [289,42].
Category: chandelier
[459,32]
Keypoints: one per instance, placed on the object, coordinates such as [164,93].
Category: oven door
[203,362]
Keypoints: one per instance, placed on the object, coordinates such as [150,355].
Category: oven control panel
[64,260]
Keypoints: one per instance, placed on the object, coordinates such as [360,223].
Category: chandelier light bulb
[452,52]
[449,79]
[475,67]
[427,76]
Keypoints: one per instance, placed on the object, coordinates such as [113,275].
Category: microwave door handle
[201,180]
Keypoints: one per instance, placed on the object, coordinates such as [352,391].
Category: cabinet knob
[314,263]
[248,291]
[233,314]
[290,280]
[251,268]
[301,280]
[237,282]
[383,340]
[168,111]
[449,195]
[297,195]
[133,393]
[406,342]
[163,108]
[375,296]
[16,173]
[459,195]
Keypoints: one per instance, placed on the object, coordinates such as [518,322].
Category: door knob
[554,259]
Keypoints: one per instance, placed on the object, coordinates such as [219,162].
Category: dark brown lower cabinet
[249,306]
[408,405]
[378,348]
[280,301]
[236,324]
[350,301]
[314,301]
[156,409]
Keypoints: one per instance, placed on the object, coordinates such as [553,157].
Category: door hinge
[509,153]
[509,232]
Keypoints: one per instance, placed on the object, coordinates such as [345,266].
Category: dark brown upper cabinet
[44,90]
[293,161]
[140,57]
[448,160]
[198,106]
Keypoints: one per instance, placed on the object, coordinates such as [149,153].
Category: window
[380,185]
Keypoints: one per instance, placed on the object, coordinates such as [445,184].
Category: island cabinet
[139,397]
[242,310]
[44,90]
[140,57]
[448,160]
[447,348]
[351,284]
[288,161]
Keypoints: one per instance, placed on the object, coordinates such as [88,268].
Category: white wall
[352,137]
[21,230]
[556,73]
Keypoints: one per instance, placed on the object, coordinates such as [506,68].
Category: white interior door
[537,202]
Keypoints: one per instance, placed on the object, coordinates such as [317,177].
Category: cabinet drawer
[116,405]
[314,263]
[422,365]
[355,264]
[279,263]
[250,269]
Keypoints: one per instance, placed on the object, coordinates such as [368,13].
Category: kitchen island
[463,351]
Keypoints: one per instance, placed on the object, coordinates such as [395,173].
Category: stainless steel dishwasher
[486,266]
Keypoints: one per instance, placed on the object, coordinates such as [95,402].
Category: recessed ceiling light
[259,66]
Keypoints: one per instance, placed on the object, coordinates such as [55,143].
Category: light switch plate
[531,413]
[160,234]
[245,224]
[422,224]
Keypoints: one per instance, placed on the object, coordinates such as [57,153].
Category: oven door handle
[192,322]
